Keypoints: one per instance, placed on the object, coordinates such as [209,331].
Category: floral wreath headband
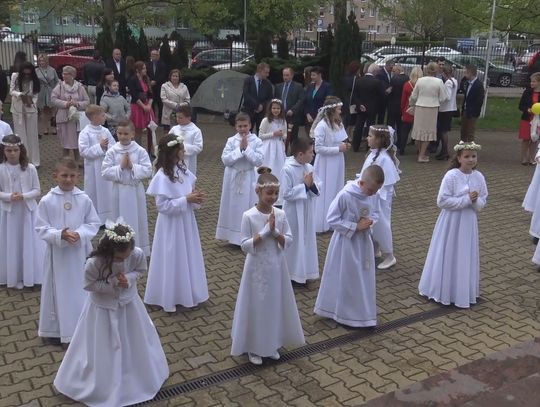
[115,237]
[332,106]
[277,101]
[467,146]
[178,140]
[268,185]
[5,143]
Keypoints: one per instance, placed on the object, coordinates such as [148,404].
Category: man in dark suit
[92,73]
[157,72]
[368,96]
[472,103]
[399,78]
[292,95]
[118,66]
[385,76]
[257,94]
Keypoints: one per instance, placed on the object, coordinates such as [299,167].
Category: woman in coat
[173,94]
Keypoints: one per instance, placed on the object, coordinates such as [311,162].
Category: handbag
[231,116]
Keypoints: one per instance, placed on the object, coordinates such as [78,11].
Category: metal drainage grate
[307,350]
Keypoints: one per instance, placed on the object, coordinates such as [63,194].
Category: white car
[235,65]
[442,51]
[389,50]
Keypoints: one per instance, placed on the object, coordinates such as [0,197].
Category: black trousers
[403,136]
[362,119]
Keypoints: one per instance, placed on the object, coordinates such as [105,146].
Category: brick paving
[197,341]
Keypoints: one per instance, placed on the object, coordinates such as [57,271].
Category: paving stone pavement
[197,341]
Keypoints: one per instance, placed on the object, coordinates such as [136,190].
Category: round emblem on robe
[365,212]
[67,206]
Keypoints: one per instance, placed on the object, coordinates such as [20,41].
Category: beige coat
[172,98]
[429,91]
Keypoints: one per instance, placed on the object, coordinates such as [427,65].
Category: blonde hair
[431,69]
[69,69]
[535,76]
[93,109]
[45,57]
[416,73]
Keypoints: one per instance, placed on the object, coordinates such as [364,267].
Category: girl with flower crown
[380,140]
[273,133]
[451,272]
[176,274]
[265,316]
[330,145]
[115,357]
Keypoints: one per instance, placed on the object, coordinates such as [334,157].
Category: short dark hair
[242,117]
[126,124]
[66,162]
[185,109]
[301,145]
[472,69]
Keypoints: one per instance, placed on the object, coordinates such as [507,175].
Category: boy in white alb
[67,221]
[126,164]
[241,155]
[94,141]
[298,189]
[347,292]
[193,140]
[5,129]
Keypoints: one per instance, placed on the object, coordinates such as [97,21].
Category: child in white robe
[94,141]
[241,155]
[298,191]
[115,357]
[273,133]
[383,153]
[67,221]
[531,202]
[451,272]
[347,293]
[21,250]
[127,164]
[193,139]
[265,317]
[331,142]
[5,129]
[176,274]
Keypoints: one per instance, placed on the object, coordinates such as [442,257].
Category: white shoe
[387,263]
[275,356]
[255,359]
[378,254]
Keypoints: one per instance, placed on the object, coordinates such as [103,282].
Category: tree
[283,47]
[263,46]
[142,46]
[125,40]
[103,41]
[180,57]
[165,51]
[340,50]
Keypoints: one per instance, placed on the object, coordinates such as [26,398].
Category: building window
[62,20]
[372,12]
[76,20]
[309,27]
[378,29]
[387,29]
[30,17]
[331,9]
[321,12]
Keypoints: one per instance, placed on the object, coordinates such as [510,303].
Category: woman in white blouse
[173,94]
[428,94]
[446,111]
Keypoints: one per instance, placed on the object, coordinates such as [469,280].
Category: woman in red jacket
[407,116]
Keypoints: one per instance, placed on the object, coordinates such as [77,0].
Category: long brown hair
[23,156]
[167,157]
[454,163]
[384,140]
[139,66]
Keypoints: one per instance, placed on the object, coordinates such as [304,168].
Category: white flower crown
[467,146]
[112,235]
[268,184]
[178,140]
[5,143]
[332,106]
[277,101]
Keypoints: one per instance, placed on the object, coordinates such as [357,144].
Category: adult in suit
[353,72]
[385,76]
[92,73]
[158,74]
[292,95]
[118,66]
[368,96]
[472,103]
[316,93]
[398,80]
[4,87]
[257,92]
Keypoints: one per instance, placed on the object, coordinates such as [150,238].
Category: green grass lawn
[501,114]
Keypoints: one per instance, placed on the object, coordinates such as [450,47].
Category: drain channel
[307,350]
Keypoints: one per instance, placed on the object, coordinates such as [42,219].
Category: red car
[75,57]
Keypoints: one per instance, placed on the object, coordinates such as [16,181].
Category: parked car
[200,46]
[48,44]
[217,56]
[303,48]
[75,57]
[235,65]
[444,51]
[525,58]
[8,36]
[498,75]
[389,50]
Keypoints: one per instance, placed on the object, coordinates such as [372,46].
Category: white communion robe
[382,230]
[128,197]
[451,272]
[298,204]
[115,357]
[238,191]
[21,249]
[177,274]
[273,148]
[330,169]
[193,143]
[265,316]
[531,203]
[347,293]
[62,293]
[96,187]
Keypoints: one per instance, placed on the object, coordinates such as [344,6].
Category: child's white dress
[62,294]
[382,230]
[265,317]
[347,293]
[128,197]
[273,148]
[193,143]
[238,191]
[531,203]
[176,274]
[330,169]
[451,273]
[96,187]
[21,249]
[298,204]
[115,357]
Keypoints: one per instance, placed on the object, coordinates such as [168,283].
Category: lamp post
[486,71]
[245,21]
